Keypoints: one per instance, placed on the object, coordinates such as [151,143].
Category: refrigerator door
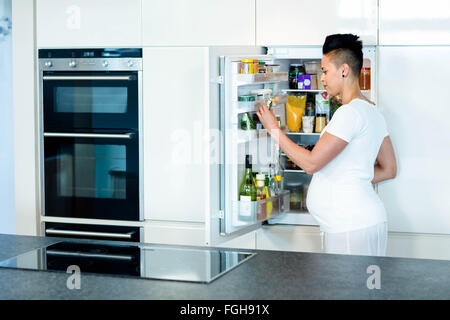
[238,142]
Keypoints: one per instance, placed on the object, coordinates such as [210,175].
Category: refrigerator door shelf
[259,78]
[251,135]
[261,210]
[253,106]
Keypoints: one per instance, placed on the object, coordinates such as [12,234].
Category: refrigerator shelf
[289,133]
[261,210]
[310,90]
[294,171]
[259,78]
[301,90]
[294,218]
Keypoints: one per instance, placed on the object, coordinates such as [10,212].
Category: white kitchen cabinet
[176,180]
[198,22]
[414,22]
[245,241]
[289,238]
[412,95]
[305,22]
[86,23]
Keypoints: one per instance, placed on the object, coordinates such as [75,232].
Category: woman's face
[331,77]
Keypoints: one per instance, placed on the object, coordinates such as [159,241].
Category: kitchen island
[268,275]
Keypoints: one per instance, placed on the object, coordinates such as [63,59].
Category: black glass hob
[140,260]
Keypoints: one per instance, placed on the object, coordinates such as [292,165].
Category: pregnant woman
[353,152]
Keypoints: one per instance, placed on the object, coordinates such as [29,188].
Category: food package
[294,112]
[323,105]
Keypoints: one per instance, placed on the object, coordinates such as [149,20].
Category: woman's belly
[344,205]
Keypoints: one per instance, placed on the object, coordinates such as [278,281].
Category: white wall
[7,216]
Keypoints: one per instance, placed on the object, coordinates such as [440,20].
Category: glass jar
[321,120]
[364,79]
[246,66]
[295,70]
[261,67]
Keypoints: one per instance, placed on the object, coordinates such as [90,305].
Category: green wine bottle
[247,192]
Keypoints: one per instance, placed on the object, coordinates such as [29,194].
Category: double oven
[91,141]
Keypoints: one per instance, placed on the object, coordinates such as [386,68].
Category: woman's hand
[267,118]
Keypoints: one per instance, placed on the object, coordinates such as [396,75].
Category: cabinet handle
[88,135]
[89,233]
[88,78]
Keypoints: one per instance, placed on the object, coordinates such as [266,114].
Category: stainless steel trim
[127,235]
[141,146]
[90,64]
[78,78]
[88,135]
[89,255]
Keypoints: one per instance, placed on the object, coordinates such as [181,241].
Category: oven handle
[89,135]
[52,231]
[76,78]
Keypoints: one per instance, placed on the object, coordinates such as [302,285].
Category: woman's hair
[345,48]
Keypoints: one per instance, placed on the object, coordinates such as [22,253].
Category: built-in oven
[90,100]
[91,125]
[92,175]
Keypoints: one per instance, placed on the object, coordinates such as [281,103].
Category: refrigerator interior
[291,207]
[294,179]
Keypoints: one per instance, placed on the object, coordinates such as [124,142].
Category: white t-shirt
[341,196]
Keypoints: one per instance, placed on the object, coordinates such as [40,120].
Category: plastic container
[247,98]
[313,67]
[262,94]
[364,79]
[272,68]
[255,66]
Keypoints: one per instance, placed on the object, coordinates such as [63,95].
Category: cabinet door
[416,110]
[86,23]
[414,22]
[175,107]
[198,22]
[306,22]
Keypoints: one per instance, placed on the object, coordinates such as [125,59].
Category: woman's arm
[328,146]
[386,165]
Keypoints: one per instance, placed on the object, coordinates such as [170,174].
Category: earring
[343,76]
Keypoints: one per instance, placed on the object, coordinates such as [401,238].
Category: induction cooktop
[141,260]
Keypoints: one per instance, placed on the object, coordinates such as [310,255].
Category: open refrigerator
[289,205]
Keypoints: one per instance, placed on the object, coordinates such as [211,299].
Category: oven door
[90,100]
[92,175]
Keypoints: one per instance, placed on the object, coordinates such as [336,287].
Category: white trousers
[370,241]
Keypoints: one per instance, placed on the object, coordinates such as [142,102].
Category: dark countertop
[268,275]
